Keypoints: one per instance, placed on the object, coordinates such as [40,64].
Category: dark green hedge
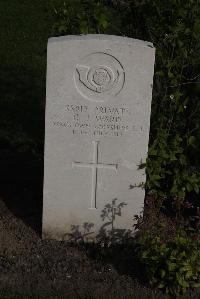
[173,165]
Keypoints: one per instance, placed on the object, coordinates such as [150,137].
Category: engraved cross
[95,165]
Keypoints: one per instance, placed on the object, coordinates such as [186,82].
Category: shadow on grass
[21,143]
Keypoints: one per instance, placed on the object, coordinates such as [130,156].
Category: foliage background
[173,165]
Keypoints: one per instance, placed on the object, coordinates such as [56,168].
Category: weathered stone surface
[98,104]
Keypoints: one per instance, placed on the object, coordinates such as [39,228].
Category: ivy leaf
[191,141]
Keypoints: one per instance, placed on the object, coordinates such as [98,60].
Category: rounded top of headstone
[121,39]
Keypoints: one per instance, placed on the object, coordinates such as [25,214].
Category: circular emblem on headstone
[99,76]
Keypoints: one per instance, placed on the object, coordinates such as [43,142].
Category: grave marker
[96,131]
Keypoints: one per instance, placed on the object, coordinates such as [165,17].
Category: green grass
[25,28]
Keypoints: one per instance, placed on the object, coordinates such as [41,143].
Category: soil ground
[31,265]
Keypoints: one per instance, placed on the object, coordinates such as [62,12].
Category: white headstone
[99,90]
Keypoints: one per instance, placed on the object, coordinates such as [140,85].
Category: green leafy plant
[87,16]
[172,165]
[170,265]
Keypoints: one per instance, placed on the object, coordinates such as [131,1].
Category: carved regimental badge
[99,76]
